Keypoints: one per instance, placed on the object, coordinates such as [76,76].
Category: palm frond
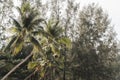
[29,14]
[57,31]
[13,30]
[16,23]
[65,41]
[35,32]
[36,43]
[2,63]
[54,30]
[35,22]
[17,47]
[10,44]
[41,32]
[25,7]
[56,24]
[30,18]
[55,50]
[27,20]
[19,10]
[32,65]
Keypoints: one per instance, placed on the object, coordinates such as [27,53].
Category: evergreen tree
[96,47]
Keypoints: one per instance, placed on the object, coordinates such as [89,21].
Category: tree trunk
[64,70]
[30,75]
[14,68]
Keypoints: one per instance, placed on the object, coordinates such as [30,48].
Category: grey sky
[111,7]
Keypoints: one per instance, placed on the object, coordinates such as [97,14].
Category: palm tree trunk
[19,64]
[64,71]
[30,75]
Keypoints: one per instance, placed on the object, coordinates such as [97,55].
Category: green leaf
[2,63]
[13,30]
[17,24]
[25,7]
[53,29]
[55,50]
[42,73]
[36,21]
[43,41]
[36,43]
[65,41]
[32,65]
[10,44]
[18,45]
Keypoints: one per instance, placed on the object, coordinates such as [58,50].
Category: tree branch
[19,64]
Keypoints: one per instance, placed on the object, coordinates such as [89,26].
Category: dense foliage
[51,42]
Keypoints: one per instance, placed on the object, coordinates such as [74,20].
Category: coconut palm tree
[29,32]
[24,35]
[53,43]
[25,27]
[60,40]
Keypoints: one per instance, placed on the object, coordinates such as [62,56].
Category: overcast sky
[109,6]
[112,7]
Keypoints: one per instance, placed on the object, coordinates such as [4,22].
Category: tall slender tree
[95,49]
[28,23]
[29,32]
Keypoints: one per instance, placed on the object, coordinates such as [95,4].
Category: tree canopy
[52,42]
